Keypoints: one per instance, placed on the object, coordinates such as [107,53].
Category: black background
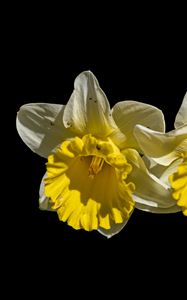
[134,56]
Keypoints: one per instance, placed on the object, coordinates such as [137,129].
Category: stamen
[95,166]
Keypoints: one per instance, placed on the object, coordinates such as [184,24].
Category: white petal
[163,172]
[44,203]
[158,170]
[118,138]
[149,162]
[149,190]
[116,228]
[88,110]
[172,168]
[162,147]
[181,117]
[158,210]
[127,114]
[40,126]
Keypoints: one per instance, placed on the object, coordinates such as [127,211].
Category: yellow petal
[178,182]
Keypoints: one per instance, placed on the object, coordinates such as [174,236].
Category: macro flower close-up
[95,175]
[167,153]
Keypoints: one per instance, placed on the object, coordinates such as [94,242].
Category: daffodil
[94,170]
[169,151]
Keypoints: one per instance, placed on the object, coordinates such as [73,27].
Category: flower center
[95,166]
[86,183]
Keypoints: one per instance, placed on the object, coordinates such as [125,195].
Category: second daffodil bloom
[169,151]
[94,170]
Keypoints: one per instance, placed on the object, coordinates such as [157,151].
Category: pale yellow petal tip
[86,184]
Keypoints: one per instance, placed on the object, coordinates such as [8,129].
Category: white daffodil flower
[94,170]
[169,151]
